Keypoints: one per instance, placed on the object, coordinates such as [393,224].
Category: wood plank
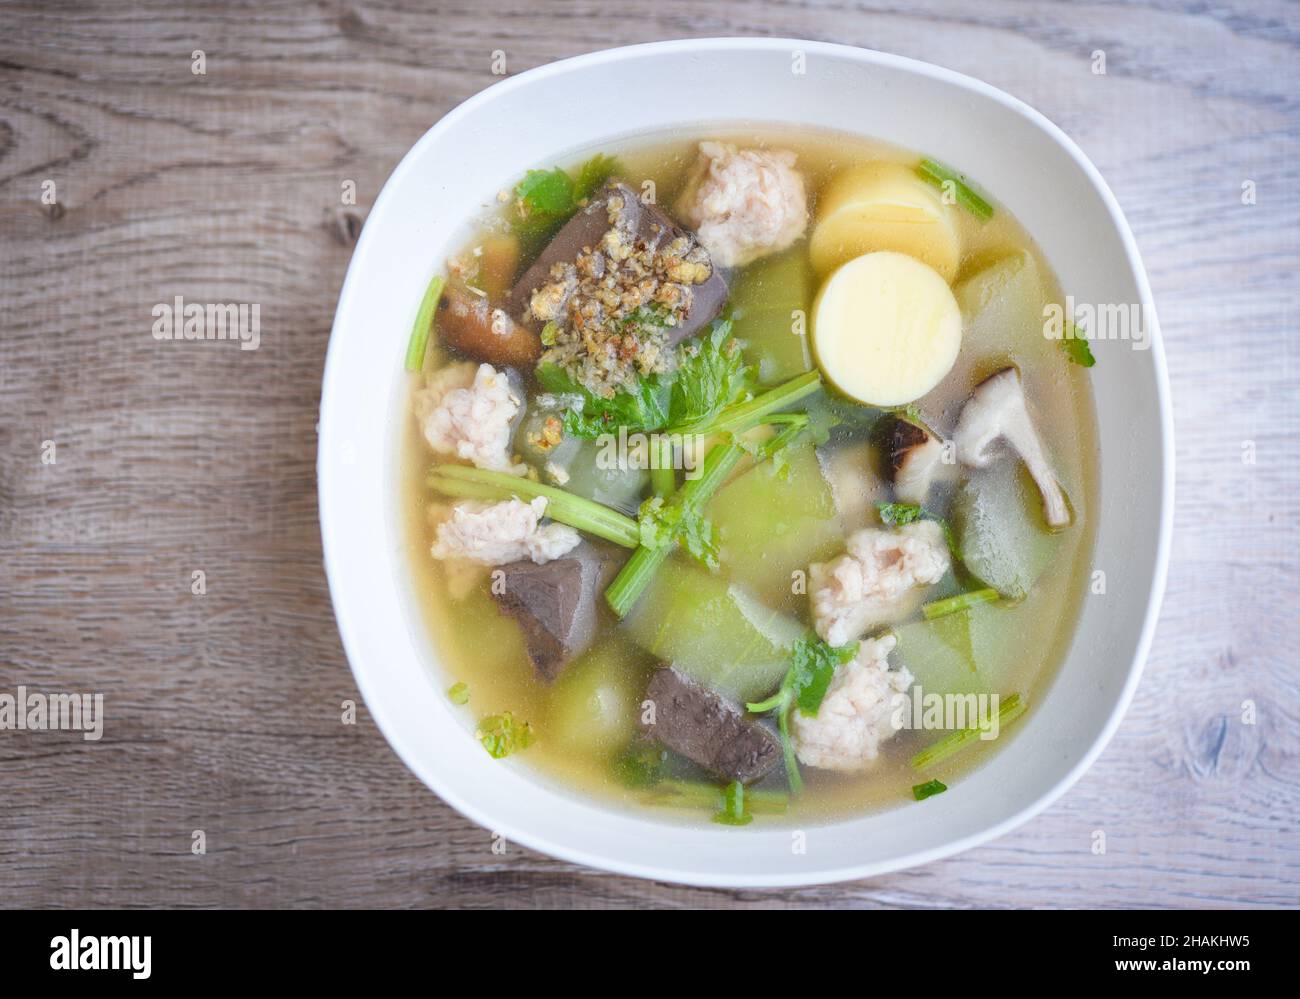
[172,458]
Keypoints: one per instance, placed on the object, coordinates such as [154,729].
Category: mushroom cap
[912,456]
[998,403]
[996,411]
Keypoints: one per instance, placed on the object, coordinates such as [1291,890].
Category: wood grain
[171,458]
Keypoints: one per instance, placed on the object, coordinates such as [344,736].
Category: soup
[748,475]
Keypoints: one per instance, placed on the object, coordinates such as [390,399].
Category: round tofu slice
[886,329]
[884,206]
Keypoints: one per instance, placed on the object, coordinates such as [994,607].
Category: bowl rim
[349,635]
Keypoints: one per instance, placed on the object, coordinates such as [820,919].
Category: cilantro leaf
[898,514]
[805,685]
[504,734]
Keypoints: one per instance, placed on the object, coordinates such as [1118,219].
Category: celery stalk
[960,602]
[583,514]
[636,573]
[1008,711]
[747,415]
[663,477]
[419,342]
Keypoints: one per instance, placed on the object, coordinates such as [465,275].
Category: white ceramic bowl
[534,119]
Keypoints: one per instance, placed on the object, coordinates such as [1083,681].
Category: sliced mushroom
[470,324]
[996,410]
[913,459]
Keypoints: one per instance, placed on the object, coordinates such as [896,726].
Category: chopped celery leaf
[664,521]
[1076,347]
[711,375]
[898,514]
[930,788]
[504,734]
[545,192]
[814,667]
[646,409]
[733,812]
[642,764]
[593,173]
[546,199]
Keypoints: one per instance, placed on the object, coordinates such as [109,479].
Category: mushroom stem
[996,410]
[912,459]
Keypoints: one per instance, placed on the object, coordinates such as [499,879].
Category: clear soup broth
[733,626]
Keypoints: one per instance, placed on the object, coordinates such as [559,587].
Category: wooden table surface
[171,458]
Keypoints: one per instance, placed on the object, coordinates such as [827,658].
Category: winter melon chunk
[940,655]
[1002,323]
[594,704]
[712,631]
[770,301]
[997,519]
[770,523]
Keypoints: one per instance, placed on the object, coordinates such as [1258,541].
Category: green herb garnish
[546,199]
[733,812]
[912,413]
[568,508]
[898,514]
[637,571]
[593,173]
[812,667]
[458,693]
[642,764]
[940,175]
[504,734]
[1009,710]
[960,602]
[1076,346]
[664,522]
[642,411]
[711,375]
[693,794]
[719,463]
[546,192]
[418,345]
[663,476]
[930,788]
